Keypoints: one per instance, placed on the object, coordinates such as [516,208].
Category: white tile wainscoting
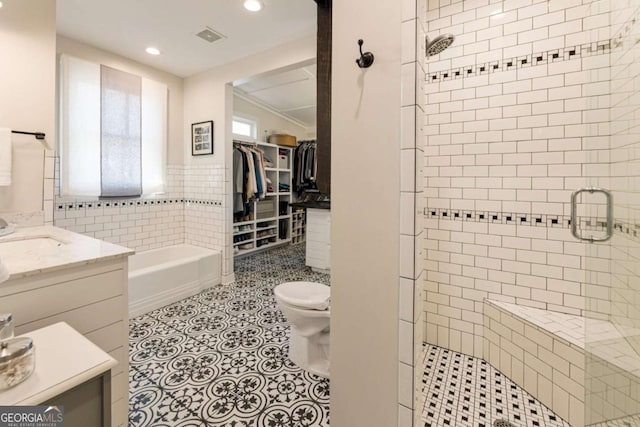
[190,211]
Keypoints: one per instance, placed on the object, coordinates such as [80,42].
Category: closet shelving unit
[270,222]
[298,226]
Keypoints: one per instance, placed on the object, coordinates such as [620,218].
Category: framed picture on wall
[202,138]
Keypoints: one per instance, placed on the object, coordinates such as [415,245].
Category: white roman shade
[113,131]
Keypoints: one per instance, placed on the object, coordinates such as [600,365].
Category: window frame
[247,120]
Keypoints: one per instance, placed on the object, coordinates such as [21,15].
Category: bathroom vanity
[60,276]
[70,372]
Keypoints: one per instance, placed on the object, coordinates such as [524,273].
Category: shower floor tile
[460,390]
[220,358]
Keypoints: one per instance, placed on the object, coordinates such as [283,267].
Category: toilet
[306,307]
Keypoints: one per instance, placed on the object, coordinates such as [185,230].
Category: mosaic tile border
[528,219]
[98,204]
[541,58]
[618,39]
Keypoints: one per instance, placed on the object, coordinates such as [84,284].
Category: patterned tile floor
[464,391]
[220,359]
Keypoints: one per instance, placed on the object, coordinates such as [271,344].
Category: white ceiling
[127,27]
[291,93]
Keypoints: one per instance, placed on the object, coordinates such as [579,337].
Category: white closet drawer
[318,216]
[318,251]
[319,236]
[318,239]
[319,255]
[322,262]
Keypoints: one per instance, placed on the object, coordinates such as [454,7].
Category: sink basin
[37,243]
[30,243]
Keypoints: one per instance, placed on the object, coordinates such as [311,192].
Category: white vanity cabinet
[83,283]
[318,249]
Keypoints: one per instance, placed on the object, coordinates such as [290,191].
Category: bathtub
[162,276]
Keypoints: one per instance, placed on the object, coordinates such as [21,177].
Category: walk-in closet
[275,173]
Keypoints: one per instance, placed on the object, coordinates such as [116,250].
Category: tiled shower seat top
[603,339]
[567,326]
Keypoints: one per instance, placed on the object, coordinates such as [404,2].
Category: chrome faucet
[6,326]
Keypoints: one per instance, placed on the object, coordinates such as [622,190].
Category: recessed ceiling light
[0,4]
[152,51]
[253,5]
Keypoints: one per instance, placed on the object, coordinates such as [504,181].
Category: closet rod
[235,141]
[38,135]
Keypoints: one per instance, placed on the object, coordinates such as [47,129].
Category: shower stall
[531,182]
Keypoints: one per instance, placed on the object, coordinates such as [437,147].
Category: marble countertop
[35,250]
[312,205]
[64,360]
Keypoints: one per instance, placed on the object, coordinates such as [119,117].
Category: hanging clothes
[305,166]
[249,178]
[261,175]
[238,181]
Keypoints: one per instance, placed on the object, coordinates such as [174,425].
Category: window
[242,126]
[113,131]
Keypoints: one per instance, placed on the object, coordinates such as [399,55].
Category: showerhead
[439,44]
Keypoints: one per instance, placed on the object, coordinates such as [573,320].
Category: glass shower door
[612,340]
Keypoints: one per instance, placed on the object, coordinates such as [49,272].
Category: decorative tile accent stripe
[534,220]
[618,39]
[542,58]
[97,204]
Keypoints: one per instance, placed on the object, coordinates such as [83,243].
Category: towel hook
[366,59]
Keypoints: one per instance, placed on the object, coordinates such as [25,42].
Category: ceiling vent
[209,35]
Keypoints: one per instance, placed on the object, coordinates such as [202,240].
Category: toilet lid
[314,296]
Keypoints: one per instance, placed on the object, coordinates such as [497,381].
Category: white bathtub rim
[202,253]
[146,270]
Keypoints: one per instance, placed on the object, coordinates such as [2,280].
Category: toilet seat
[304,295]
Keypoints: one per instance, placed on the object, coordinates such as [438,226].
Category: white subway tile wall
[190,211]
[516,118]
[140,224]
[49,186]
[205,222]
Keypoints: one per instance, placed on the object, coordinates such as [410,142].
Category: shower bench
[545,352]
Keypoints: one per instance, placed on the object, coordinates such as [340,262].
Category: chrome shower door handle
[574,214]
